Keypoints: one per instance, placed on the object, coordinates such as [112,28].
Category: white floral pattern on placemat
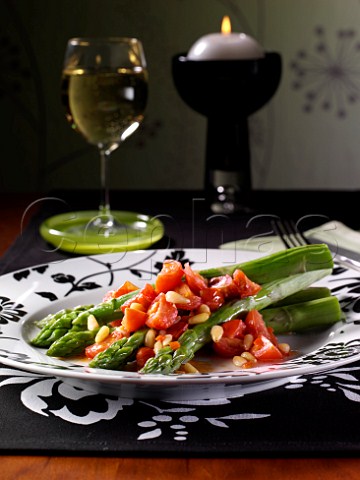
[175,416]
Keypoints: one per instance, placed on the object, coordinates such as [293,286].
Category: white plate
[32,293]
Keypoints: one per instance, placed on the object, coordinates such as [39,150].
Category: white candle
[226,46]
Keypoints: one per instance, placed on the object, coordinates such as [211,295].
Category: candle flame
[226,25]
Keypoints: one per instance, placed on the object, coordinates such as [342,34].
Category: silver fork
[291,237]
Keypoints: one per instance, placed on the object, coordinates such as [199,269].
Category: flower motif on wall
[329,77]
[13,73]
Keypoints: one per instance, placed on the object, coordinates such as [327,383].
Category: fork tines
[290,235]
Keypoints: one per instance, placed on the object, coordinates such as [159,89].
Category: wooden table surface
[18,467]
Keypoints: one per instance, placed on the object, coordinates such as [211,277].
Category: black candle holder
[227,92]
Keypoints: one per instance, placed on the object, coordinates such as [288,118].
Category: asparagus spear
[306,295]
[104,313]
[58,336]
[55,328]
[76,319]
[279,264]
[300,317]
[166,361]
[72,343]
[49,318]
[120,352]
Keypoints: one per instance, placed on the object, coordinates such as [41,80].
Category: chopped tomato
[213,298]
[256,326]
[178,329]
[116,323]
[246,286]
[228,347]
[234,328]
[226,284]
[174,345]
[263,349]
[272,336]
[194,300]
[169,277]
[92,350]
[161,313]
[145,296]
[143,355]
[195,281]
[133,319]
[126,287]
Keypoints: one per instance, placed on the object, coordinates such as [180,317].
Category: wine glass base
[86,232]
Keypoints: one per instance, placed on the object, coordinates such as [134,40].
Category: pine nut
[102,334]
[92,323]
[167,339]
[137,306]
[149,340]
[248,341]
[204,308]
[174,297]
[199,318]
[158,346]
[239,361]
[188,368]
[122,330]
[284,348]
[249,357]
[216,333]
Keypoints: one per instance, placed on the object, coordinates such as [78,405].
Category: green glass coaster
[75,232]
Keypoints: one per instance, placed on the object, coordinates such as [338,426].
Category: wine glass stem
[104,171]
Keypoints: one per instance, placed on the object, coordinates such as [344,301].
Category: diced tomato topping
[178,329]
[161,313]
[133,319]
[228,347]
[174,345]
[126,287]
[194,300]
[169,277]
[255,324]
[213,298]
[195,281]
[263,349]
[145,297]
[92,350]
[226,284]
[234,328]
[246,286]
[116,323]
[143,355]
[272,336]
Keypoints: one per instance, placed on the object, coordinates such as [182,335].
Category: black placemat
[302,416]
[308,416]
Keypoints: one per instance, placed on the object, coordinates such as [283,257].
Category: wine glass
[104,91]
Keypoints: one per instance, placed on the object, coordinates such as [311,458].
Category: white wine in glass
[104,91]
